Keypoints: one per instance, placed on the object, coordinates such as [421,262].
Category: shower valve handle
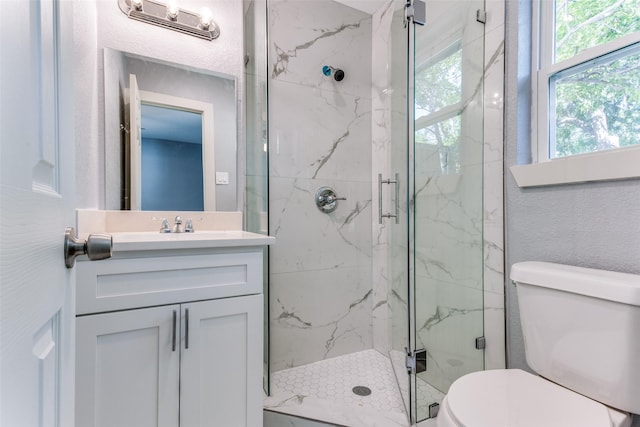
[327,199]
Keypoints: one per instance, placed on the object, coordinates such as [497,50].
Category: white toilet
[581,331]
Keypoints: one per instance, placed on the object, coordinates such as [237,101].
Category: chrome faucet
[177,227]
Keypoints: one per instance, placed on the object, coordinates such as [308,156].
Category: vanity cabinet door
[221,363]
[127,372]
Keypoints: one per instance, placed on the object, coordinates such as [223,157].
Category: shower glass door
[398,232]
[447,190]
[256,118]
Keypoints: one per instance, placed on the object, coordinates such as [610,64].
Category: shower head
[338,74]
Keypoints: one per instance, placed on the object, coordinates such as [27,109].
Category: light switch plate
[222,178]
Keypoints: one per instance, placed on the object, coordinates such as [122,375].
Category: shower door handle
[396,186]
[397,193]
[379,198]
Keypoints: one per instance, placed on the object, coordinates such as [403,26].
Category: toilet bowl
[515,398]
[581,328]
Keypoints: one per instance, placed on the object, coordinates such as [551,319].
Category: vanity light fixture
[172,10]
[205,18]
[171,16]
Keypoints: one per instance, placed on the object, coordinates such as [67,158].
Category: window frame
[617,163]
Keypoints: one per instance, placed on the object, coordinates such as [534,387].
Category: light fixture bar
[154,12]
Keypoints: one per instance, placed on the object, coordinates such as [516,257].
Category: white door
[36,204]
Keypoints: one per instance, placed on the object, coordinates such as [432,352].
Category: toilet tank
[581,329]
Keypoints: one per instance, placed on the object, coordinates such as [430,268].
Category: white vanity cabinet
[126,371]
[170,338]
[221,370]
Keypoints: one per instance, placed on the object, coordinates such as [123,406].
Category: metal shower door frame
[410,197]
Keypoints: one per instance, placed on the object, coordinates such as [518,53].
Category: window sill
[621,163]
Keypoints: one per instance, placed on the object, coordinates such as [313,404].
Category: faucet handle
[177,227]
[188,228]
[164,227]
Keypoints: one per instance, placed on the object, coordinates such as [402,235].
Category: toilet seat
[515,398]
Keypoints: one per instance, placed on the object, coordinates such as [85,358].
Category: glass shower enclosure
[436,255]
[429,197]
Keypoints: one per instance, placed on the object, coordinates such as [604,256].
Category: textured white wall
[590,225]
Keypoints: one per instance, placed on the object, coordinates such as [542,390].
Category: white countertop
[148,240]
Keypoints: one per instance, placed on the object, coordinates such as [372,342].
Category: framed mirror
[170,136]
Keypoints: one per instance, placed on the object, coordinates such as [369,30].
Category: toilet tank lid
[603,284]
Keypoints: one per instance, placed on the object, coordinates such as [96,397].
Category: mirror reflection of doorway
[177,122]
[171,159]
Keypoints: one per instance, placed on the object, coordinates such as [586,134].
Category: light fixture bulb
[136,4]
[172,10]
[205,18]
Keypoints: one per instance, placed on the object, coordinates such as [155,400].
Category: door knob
[96,247]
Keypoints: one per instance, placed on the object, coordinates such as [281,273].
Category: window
[586,77]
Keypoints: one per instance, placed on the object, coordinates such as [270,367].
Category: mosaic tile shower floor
[323,391]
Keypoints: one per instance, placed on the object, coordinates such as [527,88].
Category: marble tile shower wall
[320,135]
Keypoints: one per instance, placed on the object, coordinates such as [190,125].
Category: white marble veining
[305,36]
[459,249]
[313,240]
[449,311]
[319,138]
[320,135]
[317,315]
